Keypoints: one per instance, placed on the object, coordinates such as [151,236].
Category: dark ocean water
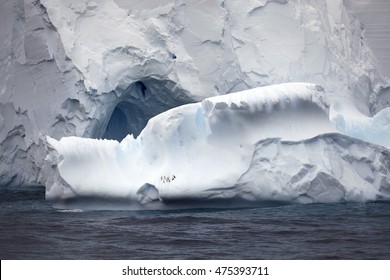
[31,229]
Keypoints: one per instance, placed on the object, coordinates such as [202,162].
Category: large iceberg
[274,143]
[104,68]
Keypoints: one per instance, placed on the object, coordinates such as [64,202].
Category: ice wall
[38,90]
[79,67]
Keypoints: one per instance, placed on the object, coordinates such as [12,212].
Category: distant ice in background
[374,16]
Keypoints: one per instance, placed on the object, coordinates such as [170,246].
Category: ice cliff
[80,68]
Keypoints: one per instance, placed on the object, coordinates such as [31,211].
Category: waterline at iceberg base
[277,143]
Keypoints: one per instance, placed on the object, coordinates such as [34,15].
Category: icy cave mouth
[122,122]
[138,103]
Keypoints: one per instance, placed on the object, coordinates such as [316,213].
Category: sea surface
[31,229]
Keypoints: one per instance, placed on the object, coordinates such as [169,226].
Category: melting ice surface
[274,143]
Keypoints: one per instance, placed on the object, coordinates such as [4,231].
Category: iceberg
[61,76]
[105,68]
[274,143]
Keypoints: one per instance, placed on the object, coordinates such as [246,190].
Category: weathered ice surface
[103,68]
[375,20]
[39,89]
[328,168]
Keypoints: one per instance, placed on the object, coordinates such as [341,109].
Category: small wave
[70,210]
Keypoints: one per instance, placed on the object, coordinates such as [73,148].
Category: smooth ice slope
[210,151]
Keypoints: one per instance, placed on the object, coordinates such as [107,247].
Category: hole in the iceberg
[138,103]
[118,126]
[140,86]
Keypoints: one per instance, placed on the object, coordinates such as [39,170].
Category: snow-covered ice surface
[223,151]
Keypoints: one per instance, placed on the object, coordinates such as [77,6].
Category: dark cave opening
[118,126]
[138,103]
[127,118]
